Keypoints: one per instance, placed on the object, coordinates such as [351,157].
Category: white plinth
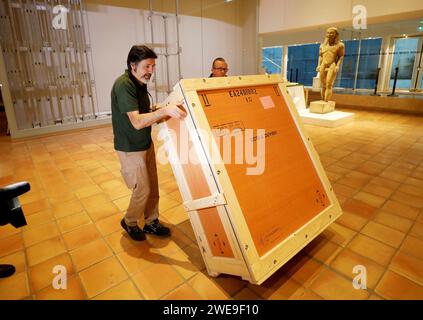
[331,120]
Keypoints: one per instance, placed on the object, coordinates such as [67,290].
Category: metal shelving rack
[49,70]
[159,21]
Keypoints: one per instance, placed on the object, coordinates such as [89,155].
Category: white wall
[250,55]
[113,30]
[110,43]
[281,16]
[396,28]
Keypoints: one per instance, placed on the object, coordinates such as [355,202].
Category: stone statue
[331,54]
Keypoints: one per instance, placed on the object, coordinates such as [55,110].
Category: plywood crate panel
[251,181]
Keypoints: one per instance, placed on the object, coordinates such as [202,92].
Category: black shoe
[157,228]
[6,270]
[134,232]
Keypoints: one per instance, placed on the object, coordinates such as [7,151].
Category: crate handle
[214,200]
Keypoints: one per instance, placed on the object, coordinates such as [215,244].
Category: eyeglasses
[222,69]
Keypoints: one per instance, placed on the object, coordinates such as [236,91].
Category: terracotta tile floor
[77,199]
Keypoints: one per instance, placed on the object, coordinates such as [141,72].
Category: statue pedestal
[322,106]
[329,120]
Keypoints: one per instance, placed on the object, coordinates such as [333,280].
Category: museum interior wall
[207,29]
[383,56]
[266,36]
[289,15]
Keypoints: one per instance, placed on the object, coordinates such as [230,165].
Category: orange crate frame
[210,197]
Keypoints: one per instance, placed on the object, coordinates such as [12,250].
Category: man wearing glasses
[219,68]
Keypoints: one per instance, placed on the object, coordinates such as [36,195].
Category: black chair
[11,212]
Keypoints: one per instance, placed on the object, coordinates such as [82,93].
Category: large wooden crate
[247,224]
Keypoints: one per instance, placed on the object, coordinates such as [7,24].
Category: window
[302,63]
[367,64]
[404,57]
[272,59]
[346,76]
[303,59]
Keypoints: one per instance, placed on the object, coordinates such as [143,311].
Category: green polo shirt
[129,95]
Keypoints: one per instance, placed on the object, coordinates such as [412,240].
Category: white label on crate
[267,102]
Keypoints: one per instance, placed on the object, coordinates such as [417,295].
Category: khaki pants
[140,174]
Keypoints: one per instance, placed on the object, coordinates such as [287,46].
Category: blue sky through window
[302,63]
[303,59]
[272,59]
[404,56]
